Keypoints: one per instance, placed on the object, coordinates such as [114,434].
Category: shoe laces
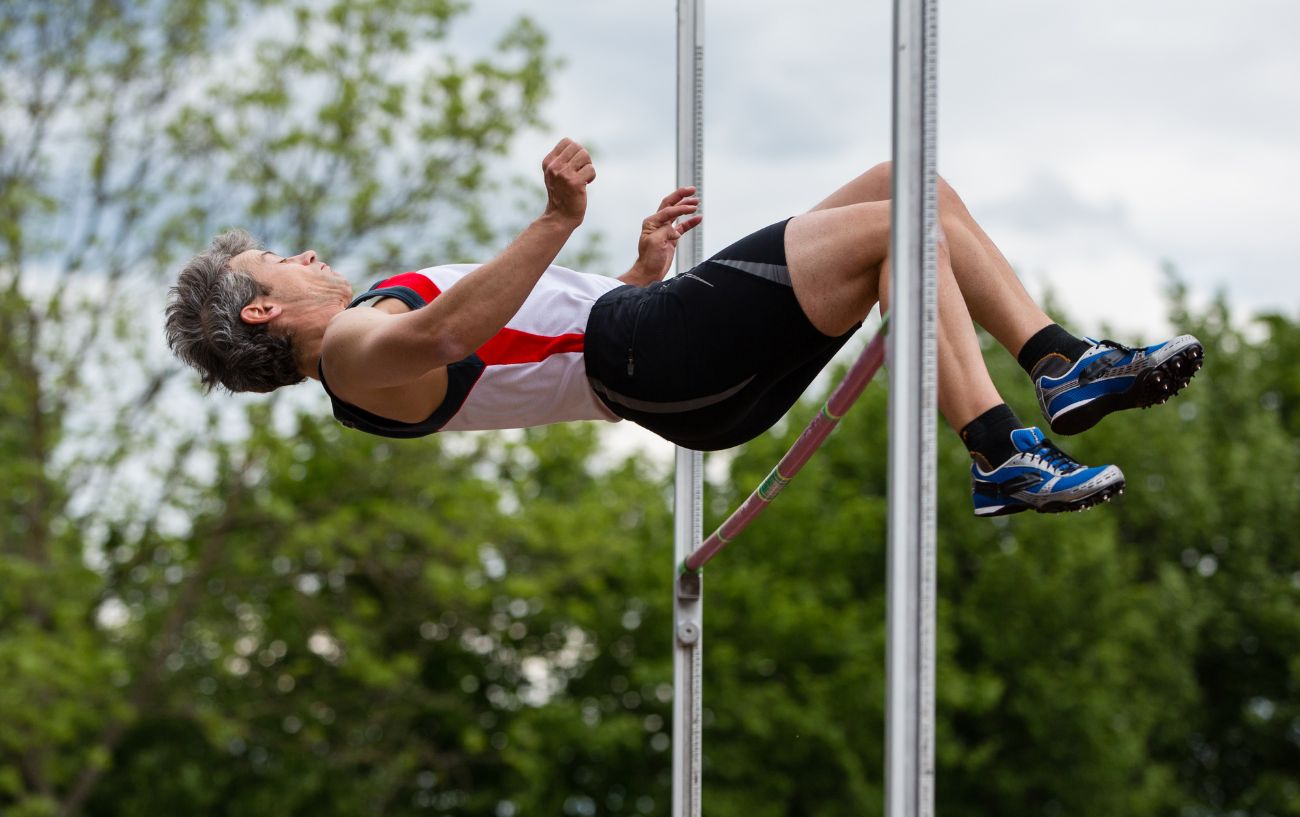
[1114,345]
[1054,457]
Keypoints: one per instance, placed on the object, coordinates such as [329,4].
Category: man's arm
[392,350]
[659,234]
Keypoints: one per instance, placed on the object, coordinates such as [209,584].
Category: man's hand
[567,170]
[659,234]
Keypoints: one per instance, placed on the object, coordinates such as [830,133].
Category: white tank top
[530,373]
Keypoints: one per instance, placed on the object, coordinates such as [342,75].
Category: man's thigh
[835,257]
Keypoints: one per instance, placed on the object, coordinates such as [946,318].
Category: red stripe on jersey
[514,346]
[422,285]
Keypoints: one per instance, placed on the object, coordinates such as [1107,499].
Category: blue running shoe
[1041,477]
[1111,377]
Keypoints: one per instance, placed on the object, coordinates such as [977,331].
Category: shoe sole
[1153,387]
[1104,494]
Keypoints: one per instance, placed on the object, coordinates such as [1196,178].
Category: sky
[1095,142]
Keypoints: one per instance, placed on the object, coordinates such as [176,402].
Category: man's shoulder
[352,348]
[349,326]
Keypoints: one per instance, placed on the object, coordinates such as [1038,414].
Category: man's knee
[948,198]
[881,171]
[884,171]
[954,225]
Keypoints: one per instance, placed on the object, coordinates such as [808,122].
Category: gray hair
[204,328]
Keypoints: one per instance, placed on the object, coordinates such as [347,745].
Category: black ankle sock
[988,436]
[1050,340]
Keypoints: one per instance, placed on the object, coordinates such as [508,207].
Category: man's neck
[308,352]
[308,339]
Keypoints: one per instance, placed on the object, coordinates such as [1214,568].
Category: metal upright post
[909,732]
[688,608]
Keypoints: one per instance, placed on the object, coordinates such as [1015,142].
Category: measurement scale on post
[688,506]
[929,407]
[909,763]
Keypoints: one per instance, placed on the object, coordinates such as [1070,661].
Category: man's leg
[1078,381]
[837,258]
[993,293]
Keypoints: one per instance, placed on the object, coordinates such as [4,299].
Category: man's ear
[259,312]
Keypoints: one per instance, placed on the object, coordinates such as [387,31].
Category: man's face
[297,280]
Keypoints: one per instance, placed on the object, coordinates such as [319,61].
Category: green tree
[129,133]
[437,629]
[1137,659]
[491,624]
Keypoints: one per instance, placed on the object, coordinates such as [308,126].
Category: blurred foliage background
[286,619]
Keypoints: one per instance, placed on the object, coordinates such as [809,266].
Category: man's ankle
[1050,341]
[988,436]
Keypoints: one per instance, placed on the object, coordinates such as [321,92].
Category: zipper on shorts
[696,277]
[636,321]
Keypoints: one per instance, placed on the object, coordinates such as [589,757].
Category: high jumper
[708,360]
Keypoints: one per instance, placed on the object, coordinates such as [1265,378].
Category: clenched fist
[567,170]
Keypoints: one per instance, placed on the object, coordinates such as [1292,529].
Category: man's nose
[305,257]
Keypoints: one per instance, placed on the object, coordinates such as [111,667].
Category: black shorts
[710,358]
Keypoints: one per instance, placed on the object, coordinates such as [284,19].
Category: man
[708,360]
